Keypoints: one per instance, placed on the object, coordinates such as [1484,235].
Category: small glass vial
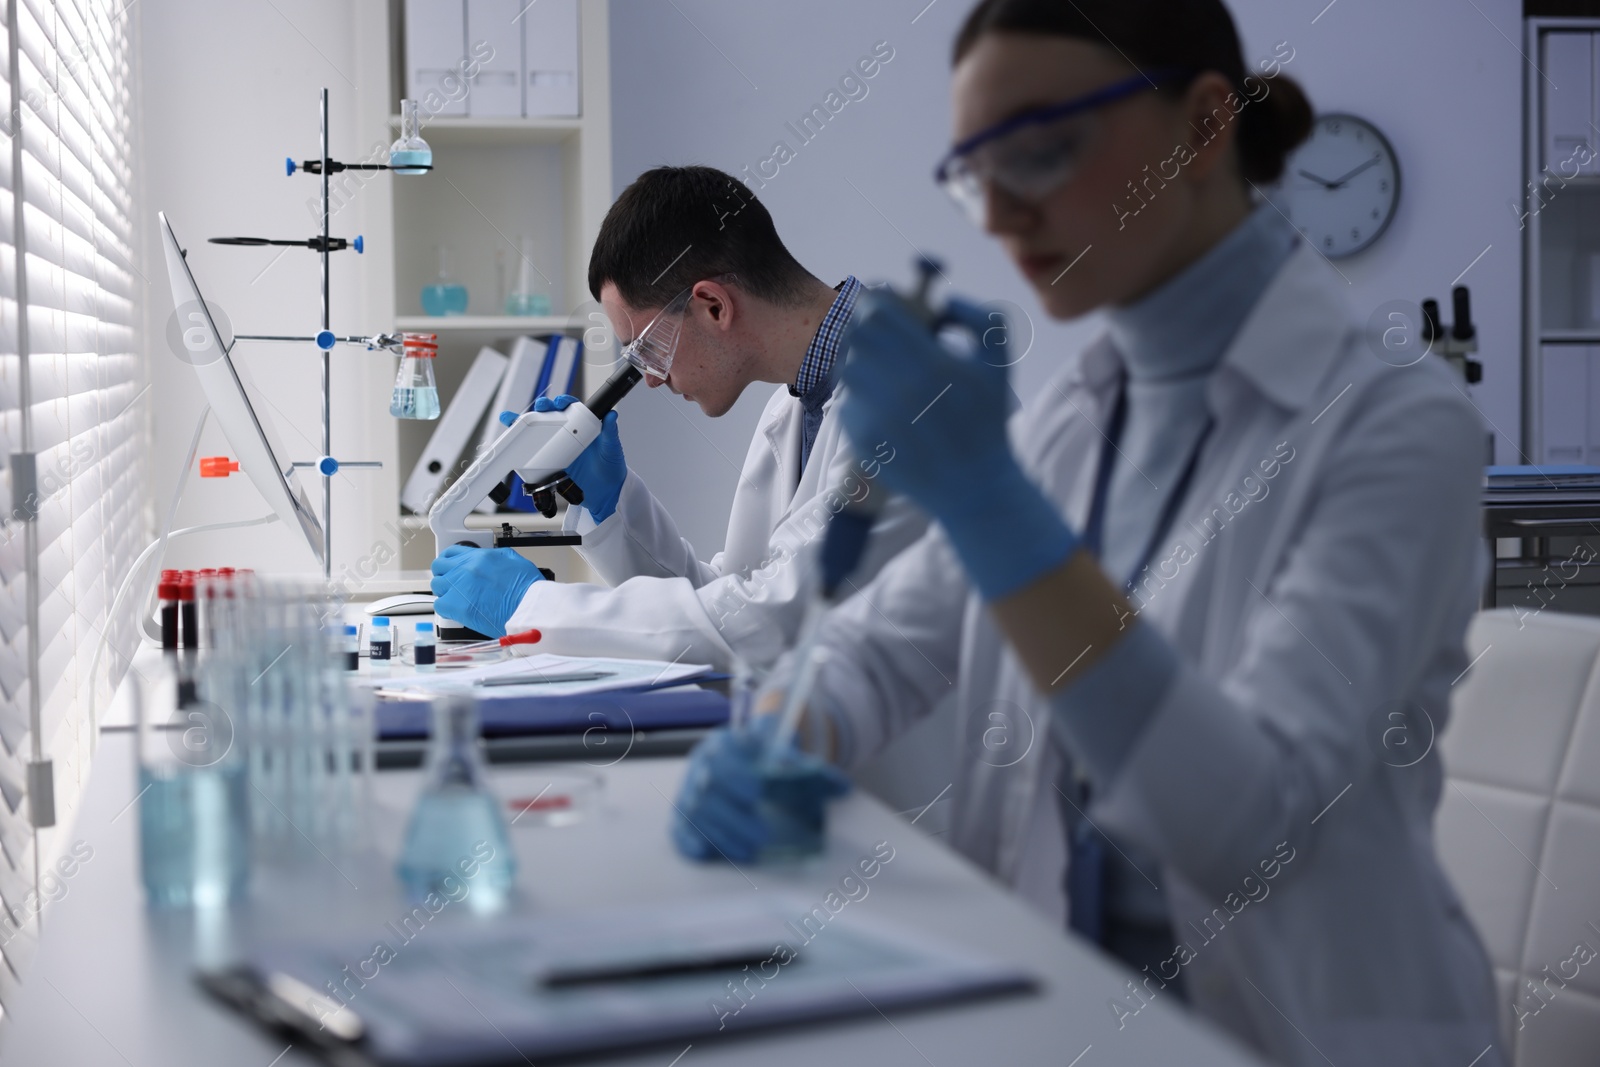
[380,643]
[423,652]
[352,648]
[416,393]
[410,154]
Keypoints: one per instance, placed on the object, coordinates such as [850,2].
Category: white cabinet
[1569,103]
[436,55]
[1567,376]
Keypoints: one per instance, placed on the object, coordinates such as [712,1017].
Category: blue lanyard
[1094,531]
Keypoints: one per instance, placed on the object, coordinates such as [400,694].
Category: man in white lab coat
[689,255]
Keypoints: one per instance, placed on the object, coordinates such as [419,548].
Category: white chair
[1519,825]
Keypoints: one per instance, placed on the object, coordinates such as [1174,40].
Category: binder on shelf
[560,371]
[436,52]
[561,368]
[454,431]
[530,358]
[550,45]
[494,28]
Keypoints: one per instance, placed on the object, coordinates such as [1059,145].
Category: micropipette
[843,544]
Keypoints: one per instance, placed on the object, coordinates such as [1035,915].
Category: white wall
[714,82]
[229,90]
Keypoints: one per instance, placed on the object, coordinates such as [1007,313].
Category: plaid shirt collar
[814,383]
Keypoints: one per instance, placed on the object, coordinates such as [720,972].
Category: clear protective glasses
[1034,153]
[652,350]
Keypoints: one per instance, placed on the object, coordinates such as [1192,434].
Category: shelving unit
[1561,243]
[494,181]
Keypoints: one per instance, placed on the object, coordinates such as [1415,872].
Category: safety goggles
[1034,153]
[652,351]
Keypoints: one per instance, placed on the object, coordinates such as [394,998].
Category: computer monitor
[234,400]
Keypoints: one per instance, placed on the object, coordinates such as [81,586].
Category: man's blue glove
[718,809]
[481,587]
[600,470]
[945,417]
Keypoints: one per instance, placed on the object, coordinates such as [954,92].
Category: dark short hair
[675,226]
[1189,35]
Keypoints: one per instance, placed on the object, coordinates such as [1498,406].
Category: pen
[625,970]
[544,679]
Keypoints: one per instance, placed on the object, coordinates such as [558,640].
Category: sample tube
[188,611]
[167,591]
[205,593]
[425,647]
[352,648]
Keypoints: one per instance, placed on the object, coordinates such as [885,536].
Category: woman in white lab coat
[1201,593]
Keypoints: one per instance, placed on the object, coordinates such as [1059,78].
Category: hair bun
[1271,128]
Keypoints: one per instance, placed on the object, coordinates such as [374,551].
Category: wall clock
[1341,187]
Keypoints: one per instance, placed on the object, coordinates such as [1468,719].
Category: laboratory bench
[112,982]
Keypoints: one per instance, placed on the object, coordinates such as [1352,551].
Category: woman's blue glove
[945,417]
[600,470]
[718,809]
[481,587]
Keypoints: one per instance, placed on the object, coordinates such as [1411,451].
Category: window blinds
[71,397]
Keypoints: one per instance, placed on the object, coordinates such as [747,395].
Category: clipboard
[476,993]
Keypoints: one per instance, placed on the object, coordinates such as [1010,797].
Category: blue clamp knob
[288,166]
[359,244]
[327,466]
[325,340]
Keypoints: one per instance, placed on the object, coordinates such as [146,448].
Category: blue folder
[679,708]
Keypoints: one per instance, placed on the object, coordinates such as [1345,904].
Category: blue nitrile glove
[717,813]
[944,415]
[600,470]
[481,587]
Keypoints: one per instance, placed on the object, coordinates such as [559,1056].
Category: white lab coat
[1341,591]
[667,604]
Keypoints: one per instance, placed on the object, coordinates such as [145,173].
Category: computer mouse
[403,604]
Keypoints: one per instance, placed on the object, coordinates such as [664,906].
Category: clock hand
[1320,181]
[1340,181]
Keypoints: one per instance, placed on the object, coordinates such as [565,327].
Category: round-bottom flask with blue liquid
[410,154]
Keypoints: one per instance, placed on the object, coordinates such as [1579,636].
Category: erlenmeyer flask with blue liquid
[457,835]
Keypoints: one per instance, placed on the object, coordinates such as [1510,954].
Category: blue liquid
[449,831]
[414,404]
[795,815]
[444,299]
[527,304]
[194,835]
[416,159]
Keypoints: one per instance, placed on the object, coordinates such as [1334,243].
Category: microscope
[538,447]
[1459,342]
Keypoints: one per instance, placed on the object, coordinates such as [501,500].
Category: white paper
[620,674]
